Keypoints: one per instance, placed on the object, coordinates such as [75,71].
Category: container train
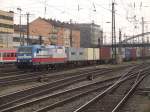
[38,56]
[53,56]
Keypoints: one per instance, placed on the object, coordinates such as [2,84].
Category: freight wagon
[75,56]
[105,54]
[52,56]
[145,52]
[130,54]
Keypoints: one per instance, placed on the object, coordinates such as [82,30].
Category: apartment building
[91,35]
[55,32]
[6,28]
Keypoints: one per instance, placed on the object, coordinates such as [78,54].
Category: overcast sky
[83,11]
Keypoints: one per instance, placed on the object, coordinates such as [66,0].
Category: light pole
[113,34]
[71,45]
[19,9]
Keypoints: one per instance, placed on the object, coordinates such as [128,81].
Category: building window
[16,39]
[6,17]
[6,26]
[1,40]
[53,39]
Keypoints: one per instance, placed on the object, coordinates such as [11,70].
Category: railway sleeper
[43,78]
[90,77]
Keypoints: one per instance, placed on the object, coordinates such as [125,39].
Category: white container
[96,54]
[138,52]
[89,53]
[71,54]
[80,54]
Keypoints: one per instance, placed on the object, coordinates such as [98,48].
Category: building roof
[86,24]
[6,11]
[58,23]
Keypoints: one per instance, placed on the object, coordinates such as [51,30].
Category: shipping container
[105,53]
[138,54]
[80,54]
[75,54]
[133,54]
[127,54]
[96,54]
[142,52]
[71,54]
[148,52]
[89,53]
[145,52]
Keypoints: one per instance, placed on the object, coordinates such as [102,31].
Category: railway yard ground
[98,88]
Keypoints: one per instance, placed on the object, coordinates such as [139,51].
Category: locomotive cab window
[38,50]
[25,50]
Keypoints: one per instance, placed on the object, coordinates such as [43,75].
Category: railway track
[19,77]
[71,104]
[115,96]
[38,76]
[12,68]
[9,100]
[84,89]
[12,73]
[4,67]
[7,74]
[47,87]
[17,71]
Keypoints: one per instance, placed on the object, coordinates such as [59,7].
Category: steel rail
[104,92]
[28,77]
[60,93]
[46,88]
[57,104]
[118,106]
[50,107]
